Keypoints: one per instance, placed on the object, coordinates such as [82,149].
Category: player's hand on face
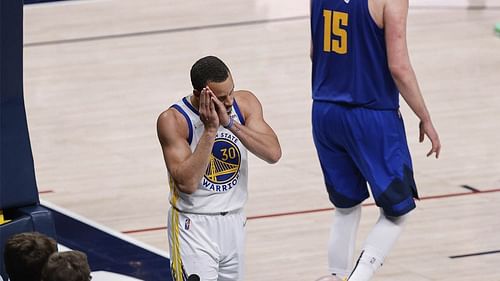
[427,129]
[220,108]
[208,115]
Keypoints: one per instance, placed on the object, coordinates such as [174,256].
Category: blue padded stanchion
[18,191]
[17,176]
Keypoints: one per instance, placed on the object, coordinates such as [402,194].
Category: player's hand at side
[427,129]
[220,108]
[208,115]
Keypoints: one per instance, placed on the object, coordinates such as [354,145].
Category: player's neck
[195,102]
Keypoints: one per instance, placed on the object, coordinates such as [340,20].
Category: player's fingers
[214,98]
[421,136]
[202,108]
[430,152]
[207,101]
[211,105]
[210,94]
[217,103]
[204,105]
[202,98]
[214,102]
[437,150]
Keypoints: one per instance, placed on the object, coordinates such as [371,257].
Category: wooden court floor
[98,73]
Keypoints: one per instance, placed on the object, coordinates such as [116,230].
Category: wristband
[230,124]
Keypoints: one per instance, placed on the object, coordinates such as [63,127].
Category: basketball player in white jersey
[205,137]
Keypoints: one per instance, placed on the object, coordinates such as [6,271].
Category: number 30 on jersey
[335,23]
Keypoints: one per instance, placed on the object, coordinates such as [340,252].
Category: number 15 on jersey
[335,23]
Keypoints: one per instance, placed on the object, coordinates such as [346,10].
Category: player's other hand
[220,108]
[427,129]
[208,114]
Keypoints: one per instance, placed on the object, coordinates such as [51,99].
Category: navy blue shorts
[357,145]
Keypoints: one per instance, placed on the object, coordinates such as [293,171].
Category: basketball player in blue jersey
[205,137]
[360,65]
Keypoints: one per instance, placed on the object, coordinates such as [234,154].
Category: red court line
[372,204]
[144,230]
[45,191]
[329,209]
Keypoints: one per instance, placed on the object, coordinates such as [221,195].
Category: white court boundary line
[62,3]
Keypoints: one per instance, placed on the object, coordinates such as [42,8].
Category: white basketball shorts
[211,246]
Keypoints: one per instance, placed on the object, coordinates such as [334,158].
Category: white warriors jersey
[223,188]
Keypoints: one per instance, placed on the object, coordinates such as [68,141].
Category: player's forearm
[264,146]
[190,172]
[407,84]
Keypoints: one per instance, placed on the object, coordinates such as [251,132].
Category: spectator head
[25,255]
[67,266]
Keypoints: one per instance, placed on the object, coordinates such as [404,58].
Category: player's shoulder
[244,94]
[171,121]
[169,115]
[244,97]
[247,102]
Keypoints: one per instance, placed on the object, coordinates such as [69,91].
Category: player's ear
[196,93]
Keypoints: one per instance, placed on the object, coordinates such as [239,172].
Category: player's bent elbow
[187,188]
[274,157]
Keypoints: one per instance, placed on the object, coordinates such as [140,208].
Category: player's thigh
[232,269]
[345,183]
[202,265]
[380,151]
[232,266]
[191,250]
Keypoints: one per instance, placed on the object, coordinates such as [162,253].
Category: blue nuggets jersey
[349,56]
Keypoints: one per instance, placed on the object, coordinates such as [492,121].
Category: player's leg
[191,249]
[345,184]
[342,240]
[385,162]
[232,242]
[378,244]
[380,151]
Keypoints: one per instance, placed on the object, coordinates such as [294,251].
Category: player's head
[212,72]
[67,266]
[208,69]
[25,255]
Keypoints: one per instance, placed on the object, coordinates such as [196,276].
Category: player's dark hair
[208,69]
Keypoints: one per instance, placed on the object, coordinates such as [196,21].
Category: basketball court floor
[98,73]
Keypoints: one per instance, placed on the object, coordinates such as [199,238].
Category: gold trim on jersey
[174,190]
[176,267]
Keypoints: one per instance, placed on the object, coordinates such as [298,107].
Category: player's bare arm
[186,167]
[395,15]
[257,136]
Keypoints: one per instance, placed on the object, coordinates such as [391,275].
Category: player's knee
[396,219]
[349,211]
